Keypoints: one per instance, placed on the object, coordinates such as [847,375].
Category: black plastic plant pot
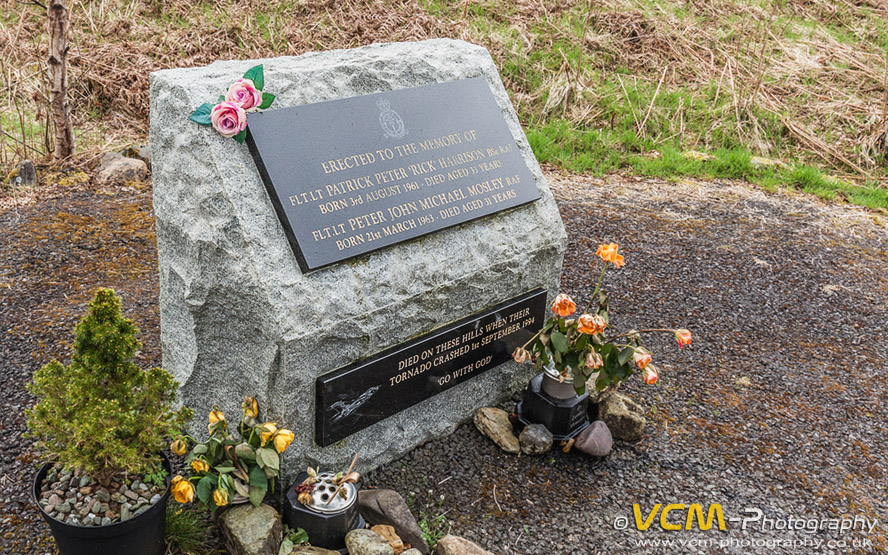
[325,523]
[565,418]
[142,534]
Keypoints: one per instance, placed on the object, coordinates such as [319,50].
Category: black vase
[142,534]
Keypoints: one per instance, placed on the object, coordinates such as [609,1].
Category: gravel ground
[778,405]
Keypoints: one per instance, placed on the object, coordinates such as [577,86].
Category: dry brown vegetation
[793,79]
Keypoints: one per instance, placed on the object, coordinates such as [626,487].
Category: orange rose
[683,337]
[594,361]
[182,490]
[563,305]
[650,375]
[591,324]
[642,359]
[608,253]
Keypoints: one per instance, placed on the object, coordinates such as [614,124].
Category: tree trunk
[58,79]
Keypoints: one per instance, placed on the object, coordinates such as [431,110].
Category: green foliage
[186,532]
[292,538]
[431,520]
[102,413]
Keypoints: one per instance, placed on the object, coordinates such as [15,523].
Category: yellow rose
[220,498]
[282,440]
[266,431]
[251,407]
[216,416]
[179,446]
[200,466]
[183,491]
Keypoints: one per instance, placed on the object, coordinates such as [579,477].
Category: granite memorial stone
[239,316]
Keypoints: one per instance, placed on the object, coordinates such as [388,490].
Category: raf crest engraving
[390,121]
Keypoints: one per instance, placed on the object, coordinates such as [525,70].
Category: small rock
[390,536]
[84,481]
[367,542]
[595,440]
[412,551]
[250,530]
[141,501]
[385,506]
[63,508]
[116,497]
[54,500]
[85,490]
[103,495]
[455,545]
[99,508]
[494,423]
[87,520]
[73,520]
[154,498]
[117,171]
[623,416]
[106,521]
[124,513]
[130,494]
[137,485]
[535,439]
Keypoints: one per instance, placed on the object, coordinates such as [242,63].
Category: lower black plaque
[362,394]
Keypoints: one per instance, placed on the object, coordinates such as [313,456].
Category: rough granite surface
[239,318]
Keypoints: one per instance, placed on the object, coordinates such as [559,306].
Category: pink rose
[228,118]
[243,93]
[650,375]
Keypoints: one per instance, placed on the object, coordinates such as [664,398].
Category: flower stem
[634,332]
[597,287]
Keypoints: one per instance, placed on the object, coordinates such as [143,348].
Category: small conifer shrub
[101,413]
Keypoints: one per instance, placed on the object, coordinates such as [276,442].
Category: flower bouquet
[577,347]
[225,469]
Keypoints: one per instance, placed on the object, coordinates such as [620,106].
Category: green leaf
[626,355]
[202,114]
[268,457]
[205,489]
[559,341]
[221,99]
[267,99]
[258,479]
[257,76]
[245,451]
[582,341]
[242,488]
[224,469]
[240,136]
[286,547]
[256,495]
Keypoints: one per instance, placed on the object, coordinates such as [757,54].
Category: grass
[187,533]
[597,90]
[431,520]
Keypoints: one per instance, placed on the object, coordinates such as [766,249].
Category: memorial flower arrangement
[229,115]
[577,346]
[225,469]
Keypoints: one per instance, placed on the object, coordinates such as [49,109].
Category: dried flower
[593,361]
[305,498]
[683,337]
[608,253]
[220,497]
[590,324]
[200,466]
[216,415]
[520,355]
[179,446]
[642,359]
[251,407]
[267,431]
[650,375]
[282,440]
[183,491]
[563,305]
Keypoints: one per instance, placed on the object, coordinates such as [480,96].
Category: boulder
[115,169]
[27,173]
[385,506]
[455,545]
[367,542]
[139,152]
[312,550]
[495,424]
[250,530]
[535,439]
[595,440]
[623,416]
